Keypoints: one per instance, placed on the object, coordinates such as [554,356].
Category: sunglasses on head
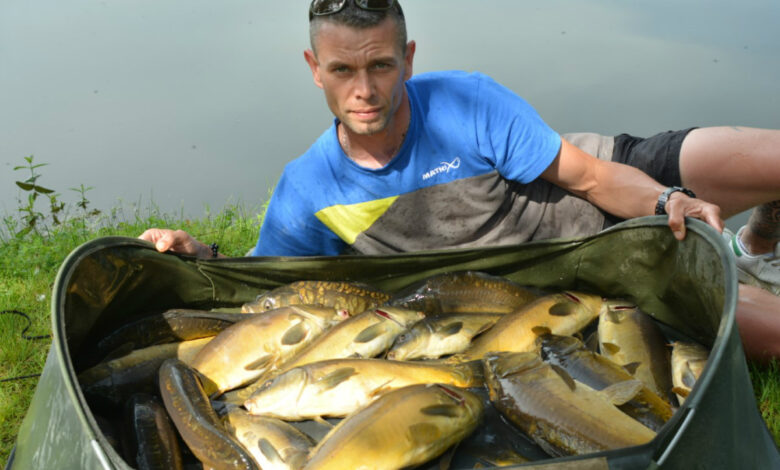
[329,7]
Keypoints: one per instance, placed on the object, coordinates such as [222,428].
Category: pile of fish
[317,375]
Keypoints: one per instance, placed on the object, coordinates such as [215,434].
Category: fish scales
[349,296]
[365,335]
[598,372]
[464,292]
[403,428]
[630,336]
[335,388]
[197,422]
[434,337]
[562,421]
[274,444]
[688,362]
[563,314]
[244,351]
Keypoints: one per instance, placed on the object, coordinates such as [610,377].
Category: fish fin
[622,392]
[688,377]
[444,409]
[610,348]
[565,376]
[613,316]
[486,326]
[370,333]
[631,367]
[450,328]
[563,309]
[260,363]
[269,451]
[424,433]
[541,330]
[295,334]
[334,378]
[592,342]
[683,392]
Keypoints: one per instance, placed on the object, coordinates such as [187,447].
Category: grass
[30,266]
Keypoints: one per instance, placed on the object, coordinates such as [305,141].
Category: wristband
[214,250]
[660,206]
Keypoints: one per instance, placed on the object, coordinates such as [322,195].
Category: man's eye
[381,65]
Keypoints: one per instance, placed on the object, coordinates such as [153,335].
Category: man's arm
[623,190]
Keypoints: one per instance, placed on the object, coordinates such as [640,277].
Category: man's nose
[364,85]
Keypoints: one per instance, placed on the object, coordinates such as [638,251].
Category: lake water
[194,104]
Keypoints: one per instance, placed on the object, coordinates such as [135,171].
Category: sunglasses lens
[326,7]
[375,4]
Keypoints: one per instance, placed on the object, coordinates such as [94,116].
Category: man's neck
[376,150]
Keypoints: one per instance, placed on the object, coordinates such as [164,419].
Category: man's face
[362,72]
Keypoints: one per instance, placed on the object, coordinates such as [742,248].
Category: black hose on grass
[24,336]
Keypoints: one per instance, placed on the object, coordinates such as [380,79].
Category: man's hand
[177,241]
[680,206]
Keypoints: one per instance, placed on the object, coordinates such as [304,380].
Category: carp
[433,337]
[365,335]
[152,440]
[244,351]
[113,382]
[563,416]
[598,373]
[629,336]
[167,327]
[338,387]
[273,443]
[352,297]
[688,361]
[562,314]
[401,429]
[464,292]
[197,422]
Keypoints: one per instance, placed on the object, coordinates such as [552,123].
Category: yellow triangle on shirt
[349,221]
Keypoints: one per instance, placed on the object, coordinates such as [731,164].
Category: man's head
[361,60]
[358,14]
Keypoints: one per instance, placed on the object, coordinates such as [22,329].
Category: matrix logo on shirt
[445,167]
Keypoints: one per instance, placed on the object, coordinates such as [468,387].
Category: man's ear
[409,59]
[314,65]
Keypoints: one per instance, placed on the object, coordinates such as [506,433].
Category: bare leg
[758,321]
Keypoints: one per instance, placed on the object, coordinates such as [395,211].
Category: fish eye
[268,304]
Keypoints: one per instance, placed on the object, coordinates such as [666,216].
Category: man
[451,159]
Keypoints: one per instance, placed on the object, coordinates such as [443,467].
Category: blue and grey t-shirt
[466,175]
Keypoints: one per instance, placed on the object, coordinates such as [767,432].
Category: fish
[113,382]
[274,444]
[434,337]
[152,439]
[244,351]
[336,388]
[403,428]
[688,362]
[167,327]
[196,421]
[563,313]
[366,335]
[629,336]
[598,372]
[351,297]
[563,416]
[464,292]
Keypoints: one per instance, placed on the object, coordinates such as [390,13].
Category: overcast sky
[195,103]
